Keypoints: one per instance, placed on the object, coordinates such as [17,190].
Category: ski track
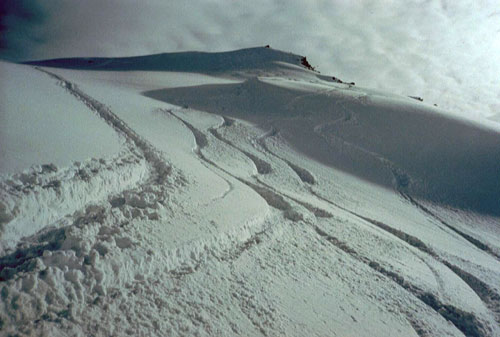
[304,175]
[47,195]
[464,321]
[56,189]
[152,155]
[402,178]
[475,242]
[146,196]
[262,166]
[267,194]
[489,297]
[201,142]
[81,254]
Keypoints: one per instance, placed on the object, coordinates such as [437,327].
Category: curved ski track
[463,321]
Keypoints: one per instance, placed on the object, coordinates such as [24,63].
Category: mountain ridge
[193,61]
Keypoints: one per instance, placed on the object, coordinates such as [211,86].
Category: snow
[444,159]
[243,195]
[40,124]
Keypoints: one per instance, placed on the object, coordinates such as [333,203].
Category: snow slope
[36,124]
[430,153]
[245,195]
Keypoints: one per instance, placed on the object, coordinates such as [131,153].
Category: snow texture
[240,194]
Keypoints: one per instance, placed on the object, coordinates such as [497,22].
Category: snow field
[221,218]
[40,124]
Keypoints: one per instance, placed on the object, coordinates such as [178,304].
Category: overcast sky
[445,51]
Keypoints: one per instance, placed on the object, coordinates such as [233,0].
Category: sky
[444,51]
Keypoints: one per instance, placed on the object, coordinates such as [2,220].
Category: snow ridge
[258,58]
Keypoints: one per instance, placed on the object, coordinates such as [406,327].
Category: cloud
[19,20]
[444,51]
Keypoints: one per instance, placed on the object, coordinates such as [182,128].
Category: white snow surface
[261,199]
[40,124]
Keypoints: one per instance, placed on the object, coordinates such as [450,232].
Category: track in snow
[152,155]
[466,322]
[144,197]
[478,244]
